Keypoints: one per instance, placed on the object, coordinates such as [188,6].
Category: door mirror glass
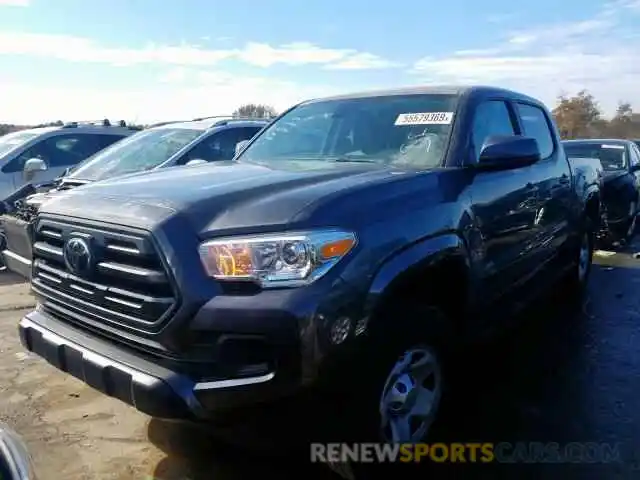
[511,151]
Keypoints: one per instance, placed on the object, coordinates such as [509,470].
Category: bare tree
[255,111]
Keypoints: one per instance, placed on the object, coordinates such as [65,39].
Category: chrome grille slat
[128,286]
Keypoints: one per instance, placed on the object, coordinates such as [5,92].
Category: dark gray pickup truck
[354,244]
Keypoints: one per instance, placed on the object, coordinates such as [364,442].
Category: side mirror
[506,152]
[15,461]
[32,166]
[240,146]
[195,161]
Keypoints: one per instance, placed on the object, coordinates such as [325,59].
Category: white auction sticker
[617,147]
[425,118]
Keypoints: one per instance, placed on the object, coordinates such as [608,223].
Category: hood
[231,196]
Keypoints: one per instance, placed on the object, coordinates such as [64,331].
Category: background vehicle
[166,145]
[352,247]
[39,155]
[620,160]
[15,460]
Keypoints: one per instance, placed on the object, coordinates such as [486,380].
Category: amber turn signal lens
[338,248]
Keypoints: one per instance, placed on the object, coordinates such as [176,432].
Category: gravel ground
[74,432]
[564,376]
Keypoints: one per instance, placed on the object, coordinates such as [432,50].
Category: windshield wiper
[353,160]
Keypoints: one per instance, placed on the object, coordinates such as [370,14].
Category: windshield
[409,131]
[13,140]
[142,151]
[613,156]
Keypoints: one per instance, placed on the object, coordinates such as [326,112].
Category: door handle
[564,179]
[531,187]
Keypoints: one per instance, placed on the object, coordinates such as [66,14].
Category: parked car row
[352,248]
[166,145]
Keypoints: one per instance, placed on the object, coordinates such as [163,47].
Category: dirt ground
[74,432]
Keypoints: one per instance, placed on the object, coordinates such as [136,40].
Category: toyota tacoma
[356,240]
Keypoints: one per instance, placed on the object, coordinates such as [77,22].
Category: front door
[504,207]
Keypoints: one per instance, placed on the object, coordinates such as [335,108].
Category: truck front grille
[124,284]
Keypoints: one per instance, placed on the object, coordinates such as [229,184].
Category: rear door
[551,178]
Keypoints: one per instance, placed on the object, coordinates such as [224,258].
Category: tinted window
[409,131]
[612,156]
[221,145]
[535,125]
[141,151]
[60,150]
[491,118]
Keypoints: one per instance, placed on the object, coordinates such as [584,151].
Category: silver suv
[39,155]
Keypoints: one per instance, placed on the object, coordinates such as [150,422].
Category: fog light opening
[340,330]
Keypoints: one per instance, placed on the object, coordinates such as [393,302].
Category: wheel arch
[434,272]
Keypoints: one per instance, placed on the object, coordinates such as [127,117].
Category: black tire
[3,243]
[401,341]
[630,226]
[577,279]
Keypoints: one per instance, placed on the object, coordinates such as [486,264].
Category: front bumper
[149,387]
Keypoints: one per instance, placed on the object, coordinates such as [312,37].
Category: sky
[151,60]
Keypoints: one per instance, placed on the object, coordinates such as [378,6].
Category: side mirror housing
[195,161]
[240,146]
[506,152]
[32,166]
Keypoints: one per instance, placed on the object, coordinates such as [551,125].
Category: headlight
[288,259]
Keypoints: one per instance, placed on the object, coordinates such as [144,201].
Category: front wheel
[401,389]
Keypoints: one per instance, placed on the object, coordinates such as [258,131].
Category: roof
[424,90]
[38,130]
[206,124]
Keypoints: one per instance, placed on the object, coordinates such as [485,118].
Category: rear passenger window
[490,118]
[535,125]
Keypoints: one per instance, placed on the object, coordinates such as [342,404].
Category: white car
[40,155]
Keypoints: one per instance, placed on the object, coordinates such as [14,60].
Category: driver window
[490,118]
[35,151]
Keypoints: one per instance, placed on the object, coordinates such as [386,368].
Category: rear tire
[577,279]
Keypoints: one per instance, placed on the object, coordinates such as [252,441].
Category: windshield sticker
[425,118]
[617,147]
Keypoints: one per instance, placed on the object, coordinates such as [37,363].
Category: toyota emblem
[77,256]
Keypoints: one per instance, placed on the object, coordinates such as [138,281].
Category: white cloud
[78,49]
[188,94]
[14,3]
[188,87]
[362,61]
[595,54]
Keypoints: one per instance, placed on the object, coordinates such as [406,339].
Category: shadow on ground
[10,278]
[566,373]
